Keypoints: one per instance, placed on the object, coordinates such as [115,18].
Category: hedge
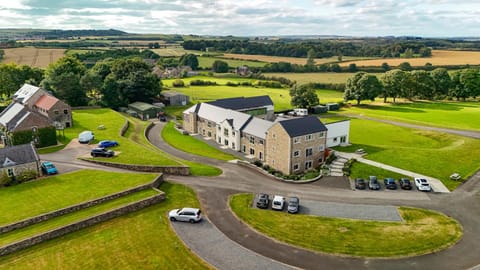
[46,136]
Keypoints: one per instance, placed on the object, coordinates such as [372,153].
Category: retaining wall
[262,171]
[173,170]
[30,221]
[124,128]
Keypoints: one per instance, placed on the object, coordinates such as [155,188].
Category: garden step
[336,174]
[335,166]
[343,160]
[338,163]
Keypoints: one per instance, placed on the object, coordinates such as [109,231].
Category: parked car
[390,183]
[422,184]
[263,200]
[48,168]
[107,143]
[86,136]
[186,214]
[101,152]
[293,205]
[162,118]
[373,183]
[278,202]
[360,183]
[405,183]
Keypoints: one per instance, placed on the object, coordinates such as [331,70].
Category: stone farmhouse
[18,160]
[249,125]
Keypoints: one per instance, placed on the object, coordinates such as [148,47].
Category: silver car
[293,205]
[186,214]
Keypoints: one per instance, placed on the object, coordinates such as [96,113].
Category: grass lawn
[54,192]
[427,152]
[219,81]
[363,170]
[189,144]
[51,224]
[421,232]
[459,115]
[140,240]
[317,77]
[207,62]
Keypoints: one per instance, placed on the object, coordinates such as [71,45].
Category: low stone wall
[124,128]
[253,167]
[81,224]
[173,170]
[30,221]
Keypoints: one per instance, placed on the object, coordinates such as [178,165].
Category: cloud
[250,18]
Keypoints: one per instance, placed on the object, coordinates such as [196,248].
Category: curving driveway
[462,204]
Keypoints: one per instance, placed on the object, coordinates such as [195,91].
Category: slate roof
[217,115]
[13,115]
[25,92]
[142,106]
[46,102]
[257,127]
[18,154]
[302,126]
[241,103]
[171,94]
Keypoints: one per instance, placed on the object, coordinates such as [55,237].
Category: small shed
[320,109]
[333,106]
[144,110]
[173,98]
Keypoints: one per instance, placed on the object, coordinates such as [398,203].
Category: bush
[202,82]
[232,84]
[178,83]
[26,175]
[266,167]
[258,163]
[330,158]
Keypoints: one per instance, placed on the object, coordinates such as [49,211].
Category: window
[10,172]
[252,151]
[233,145]
[209,124]
[225,142]
[343,139]
[308,165]
[308,152]
[296,140]
[320,160]
[296,167]
[252,140]
[335,139]
[233,133]
[321,148]
[209,134]
[55,111]
[219,128]
[203,132]
[273,135]
[308,137]
[65,111]
[225,132]
[244,149]
[321,134]
[260,142]
[219,139]
[260,155]
[296,153]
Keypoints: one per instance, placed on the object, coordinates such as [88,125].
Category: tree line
[321,49]
[437,84]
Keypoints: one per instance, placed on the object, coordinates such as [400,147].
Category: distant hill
[22,34]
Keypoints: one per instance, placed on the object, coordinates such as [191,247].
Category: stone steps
[336,168]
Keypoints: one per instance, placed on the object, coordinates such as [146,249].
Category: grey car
[293,205]
[373,183]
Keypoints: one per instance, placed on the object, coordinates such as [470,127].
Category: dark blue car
[107,143]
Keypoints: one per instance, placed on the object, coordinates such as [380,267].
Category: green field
[421,232]
[219,81]
[189,144]
[317,77]
[427,152]
[362,170]
[206,62]
[54,192]
[459,115]
[140,240]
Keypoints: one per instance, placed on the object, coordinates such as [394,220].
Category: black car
[162,118]
[373,183]
[360,183]
[262,201]
[405,183]
[101,152]
[390,183]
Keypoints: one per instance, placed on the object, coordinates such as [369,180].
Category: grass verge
[191,145]
[140,240]
[421,232]
[363,170]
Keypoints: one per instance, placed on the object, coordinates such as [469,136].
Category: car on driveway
[186,214]
[293,205]
[263,200]
[48,168]
[422,184]
[373,183]
[390,183]
[107,143]
[360,183]
[86,136]
[101,152]
[278,202]
[405,183]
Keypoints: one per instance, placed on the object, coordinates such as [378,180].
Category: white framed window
[209,124]
[260,142]
[296,167]
[10,172]
[335,139]
[252,140]
[296,153]
[233,133]
[308,152]
[308,164]
[321,148]
[308,137]
[252,151]
[244,149]
[321,134]
[296,140]
[260,155]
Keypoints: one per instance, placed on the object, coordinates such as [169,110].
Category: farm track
[35,58]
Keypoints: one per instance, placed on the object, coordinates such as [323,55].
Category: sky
[426,18]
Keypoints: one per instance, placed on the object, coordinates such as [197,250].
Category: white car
[186,214]
[86,136]
[422,184]
[278,202]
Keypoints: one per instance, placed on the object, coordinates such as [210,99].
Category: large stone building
[290,145]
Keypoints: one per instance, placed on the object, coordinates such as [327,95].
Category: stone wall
[81,224]
[173,170]
[124,128]
[27,222]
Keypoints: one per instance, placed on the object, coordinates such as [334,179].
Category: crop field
[219,81]
[32,56]
[175,51]
[317,77]
[427,152]
[207,62]
[293,60]
[439,57]
[458,115]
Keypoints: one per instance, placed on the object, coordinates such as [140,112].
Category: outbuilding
[175,99]
[144,110]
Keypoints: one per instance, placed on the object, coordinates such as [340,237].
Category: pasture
[317,77]
[427,152]
[439,58]
[33,57]
[206,62]
[428,231]
[292,60]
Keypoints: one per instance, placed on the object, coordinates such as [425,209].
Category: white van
[86,137]
[301,112]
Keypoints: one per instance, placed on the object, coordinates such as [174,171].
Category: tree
[352,67]
[470,79]
[405,66]
[63,79]
[311,59]
[408,53]
[385,66]
[442,81]
[2,53]
[457,89]
[362,86]
[190,60]
[220,66]
[423,84]
[393,83]
[303,96]
[12,77]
